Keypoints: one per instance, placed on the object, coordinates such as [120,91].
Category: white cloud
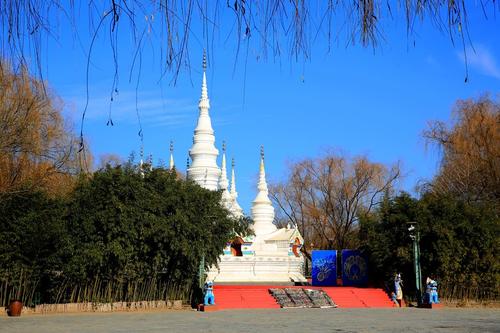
[153,109]
[481,59]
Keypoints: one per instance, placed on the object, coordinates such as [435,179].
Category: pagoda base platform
[260,283]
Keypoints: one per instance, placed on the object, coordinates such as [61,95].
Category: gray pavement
[269,321]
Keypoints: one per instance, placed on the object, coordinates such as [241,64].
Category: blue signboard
[324,267]
[354,268]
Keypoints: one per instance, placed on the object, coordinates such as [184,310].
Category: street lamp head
[411,228]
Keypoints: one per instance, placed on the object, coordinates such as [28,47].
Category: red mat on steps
[258,297]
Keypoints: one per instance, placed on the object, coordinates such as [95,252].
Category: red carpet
[247,297]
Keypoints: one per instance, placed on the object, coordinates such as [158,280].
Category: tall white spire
[204,169]
[172,165]
[238,212]
[223,182]
[141,163]
[262,208]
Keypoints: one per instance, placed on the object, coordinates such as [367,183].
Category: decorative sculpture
[398,290]
[431,291]
[209,293]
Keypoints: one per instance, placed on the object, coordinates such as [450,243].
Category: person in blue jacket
[209,293]
[432,291]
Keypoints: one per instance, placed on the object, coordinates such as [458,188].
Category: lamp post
[201,272]
[415,237]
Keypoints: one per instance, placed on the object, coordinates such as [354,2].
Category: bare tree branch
[338,191]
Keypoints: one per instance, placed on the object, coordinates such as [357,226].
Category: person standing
[209,293]
[398,290]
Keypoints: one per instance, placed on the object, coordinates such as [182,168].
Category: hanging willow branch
[272,27]
[288,26]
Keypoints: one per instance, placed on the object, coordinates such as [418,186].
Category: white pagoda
[272,255]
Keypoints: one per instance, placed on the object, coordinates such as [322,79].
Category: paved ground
[269,321]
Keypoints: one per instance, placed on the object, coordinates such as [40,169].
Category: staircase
[345,297]
[373,297]
[258,297]
[244,297]
[350,297]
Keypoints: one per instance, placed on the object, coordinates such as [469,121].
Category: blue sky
[359,100]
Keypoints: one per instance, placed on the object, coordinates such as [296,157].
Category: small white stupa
[227,199]
[262,208]
[272,255]
[237,211]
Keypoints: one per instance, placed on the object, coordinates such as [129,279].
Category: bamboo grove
[118,236]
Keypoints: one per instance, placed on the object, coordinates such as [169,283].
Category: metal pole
[415,236]
[419,272]
[417,269]
[201,272]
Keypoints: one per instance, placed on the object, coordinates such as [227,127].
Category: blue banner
[324,267]
[354,268]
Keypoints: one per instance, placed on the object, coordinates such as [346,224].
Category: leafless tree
[112,160]
[37,149]
[325,197]
[470,147]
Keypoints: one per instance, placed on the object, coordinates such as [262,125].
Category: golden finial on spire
[171,146]
[204,60]
[224,146]
[262,152]
[232,162]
